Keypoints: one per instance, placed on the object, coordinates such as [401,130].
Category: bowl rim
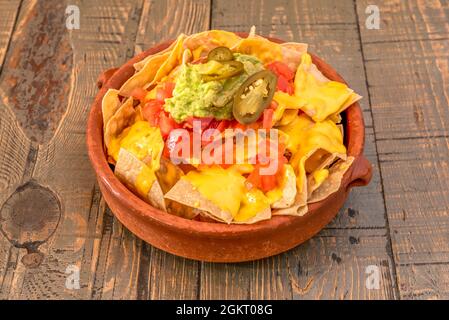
[354,140]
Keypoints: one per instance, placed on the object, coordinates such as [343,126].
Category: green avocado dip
[194,97]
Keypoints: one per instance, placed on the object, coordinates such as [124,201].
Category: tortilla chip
[186,56]
[144,76]
[320,97]
[185,193]
[291,211]
[288,191]
[129,168]
[300,200]
[139,114]
[265,50]
[312,184]
[109,105]
[139,65]
[262,215]
[292,52]
[122,119]
[333,182]
[252,31]
[201,43]
[174,59]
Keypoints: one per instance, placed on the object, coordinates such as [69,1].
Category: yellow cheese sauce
[223,187]
[321,99]
[277,193]
[309,140]
[144,181]
[253,202]
[226,188]
[320,175]
[264,50]
[142,140]
[305,135]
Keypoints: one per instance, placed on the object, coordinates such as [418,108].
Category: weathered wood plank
[164,20]
[332,265]
[226,280]
[172,277]
[407,72]
[9,10]
[419,281]
[332,33]
[418,197]
[60,162]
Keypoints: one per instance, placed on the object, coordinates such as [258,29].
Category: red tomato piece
[267,121]
[281,69]
[151,111]
[284,85]
[139,94]
[273,105]
[169,87]
[204,121]
[268,182]
[166,124]
[254,177]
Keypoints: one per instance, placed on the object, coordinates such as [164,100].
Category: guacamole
[194,97]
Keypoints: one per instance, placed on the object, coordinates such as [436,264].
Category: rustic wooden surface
[53,216]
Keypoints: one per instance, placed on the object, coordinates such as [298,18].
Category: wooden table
[55,222]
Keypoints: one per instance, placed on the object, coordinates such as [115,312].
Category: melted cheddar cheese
[309,141]
[142,140]
[320,99]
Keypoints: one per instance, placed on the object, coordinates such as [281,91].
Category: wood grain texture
[407,71]
[332,265]
[30,84]
[9,10]
[164,20]
[61,163]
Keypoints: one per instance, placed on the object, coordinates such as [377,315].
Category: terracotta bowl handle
[105,76]
[362,173]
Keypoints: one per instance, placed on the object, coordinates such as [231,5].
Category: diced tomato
[237,125]
[267,118]
[220,125]
[166,124]
[139,94]
[285,76]
[281,69]
[161,94]
[204,122]
[263,181]
[152,110]
[284,85]
[169,87]
[273,105]
[224,124]
[268,182]
[254,177]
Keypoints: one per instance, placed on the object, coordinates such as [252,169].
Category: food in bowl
[222,128]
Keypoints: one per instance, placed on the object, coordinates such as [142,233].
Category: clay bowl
[218,242]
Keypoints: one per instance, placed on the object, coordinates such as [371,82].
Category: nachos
[231,129]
